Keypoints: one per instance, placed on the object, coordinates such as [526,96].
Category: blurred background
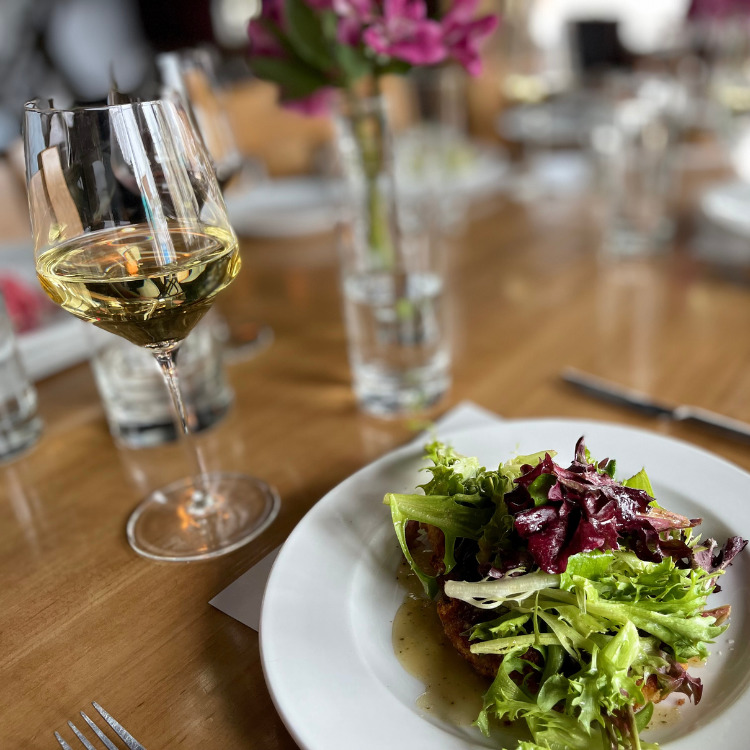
[643,107]
[547,79]
[72,49]
[553,52]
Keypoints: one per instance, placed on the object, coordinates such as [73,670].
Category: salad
[582,597]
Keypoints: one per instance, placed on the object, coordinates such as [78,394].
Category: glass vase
[393,281]
[366,155]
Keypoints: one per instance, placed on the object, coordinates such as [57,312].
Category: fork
[121,732]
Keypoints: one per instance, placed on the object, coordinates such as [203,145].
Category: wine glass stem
[166,358]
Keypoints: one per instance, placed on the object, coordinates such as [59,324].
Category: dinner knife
[618,394]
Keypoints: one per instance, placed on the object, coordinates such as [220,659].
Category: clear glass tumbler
[20,425]
[635,147]
[136,402]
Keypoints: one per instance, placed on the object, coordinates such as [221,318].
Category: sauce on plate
[453,691]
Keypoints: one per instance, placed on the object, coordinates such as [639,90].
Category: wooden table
[83,618]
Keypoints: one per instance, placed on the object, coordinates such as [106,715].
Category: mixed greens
[591,596]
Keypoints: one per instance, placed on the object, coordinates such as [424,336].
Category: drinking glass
[190,76]
[393,282]
[130,233]
[20,426]
[433,155]
[137,407]
[635,147]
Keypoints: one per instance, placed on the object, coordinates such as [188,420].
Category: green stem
[633,729]
[379,234]
[370,133]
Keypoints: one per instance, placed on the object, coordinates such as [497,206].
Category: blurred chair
[90,41]
[597,47]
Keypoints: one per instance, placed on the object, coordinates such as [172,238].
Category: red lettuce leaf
[586,509]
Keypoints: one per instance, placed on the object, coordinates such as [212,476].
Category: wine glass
[130,233]
[189,76]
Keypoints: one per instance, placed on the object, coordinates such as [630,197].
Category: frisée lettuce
[592,594]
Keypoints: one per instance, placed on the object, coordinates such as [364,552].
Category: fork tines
[121,732]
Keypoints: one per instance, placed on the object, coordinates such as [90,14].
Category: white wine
[147,291]
[734,96]
[530,88]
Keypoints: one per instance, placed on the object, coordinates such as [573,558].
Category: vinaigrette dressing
[453,691]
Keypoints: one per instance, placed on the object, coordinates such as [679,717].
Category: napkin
[59,340]
[242,599]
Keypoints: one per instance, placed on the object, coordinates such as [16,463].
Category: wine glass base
[170,526]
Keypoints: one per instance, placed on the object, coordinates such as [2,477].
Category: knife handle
[703,416]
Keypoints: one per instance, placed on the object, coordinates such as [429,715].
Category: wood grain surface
[83,618]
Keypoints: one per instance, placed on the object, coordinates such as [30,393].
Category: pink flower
[716,8]
[25,305]
[404,32]
[316,104]
[349,31]
[353,16]
[262,42]
[273,10]
[463,34]
[363,9]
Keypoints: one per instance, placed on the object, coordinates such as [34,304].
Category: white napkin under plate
[242,599]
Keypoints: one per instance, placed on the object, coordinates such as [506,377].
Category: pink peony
[403,31]
[463,34]
[717,8]
[316,104]
[353,15]
[262,42]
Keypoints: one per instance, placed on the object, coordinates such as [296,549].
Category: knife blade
[618,394]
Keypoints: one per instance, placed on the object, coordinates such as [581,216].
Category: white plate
[285,207]
[728,205]
[332,595]
[298,206]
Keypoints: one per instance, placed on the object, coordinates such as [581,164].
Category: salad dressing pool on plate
[453,691]
[666,714]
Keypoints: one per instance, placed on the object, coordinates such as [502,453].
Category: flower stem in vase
[369,161]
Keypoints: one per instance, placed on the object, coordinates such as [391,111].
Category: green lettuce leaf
[640,481]
[457,516]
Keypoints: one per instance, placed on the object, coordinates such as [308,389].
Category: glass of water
[20,425]
[134,396]
[636,154]
[397,330]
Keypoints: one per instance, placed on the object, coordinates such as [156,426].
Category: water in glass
[398,346]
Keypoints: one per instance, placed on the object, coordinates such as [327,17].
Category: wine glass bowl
[117,280]
[131,234]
